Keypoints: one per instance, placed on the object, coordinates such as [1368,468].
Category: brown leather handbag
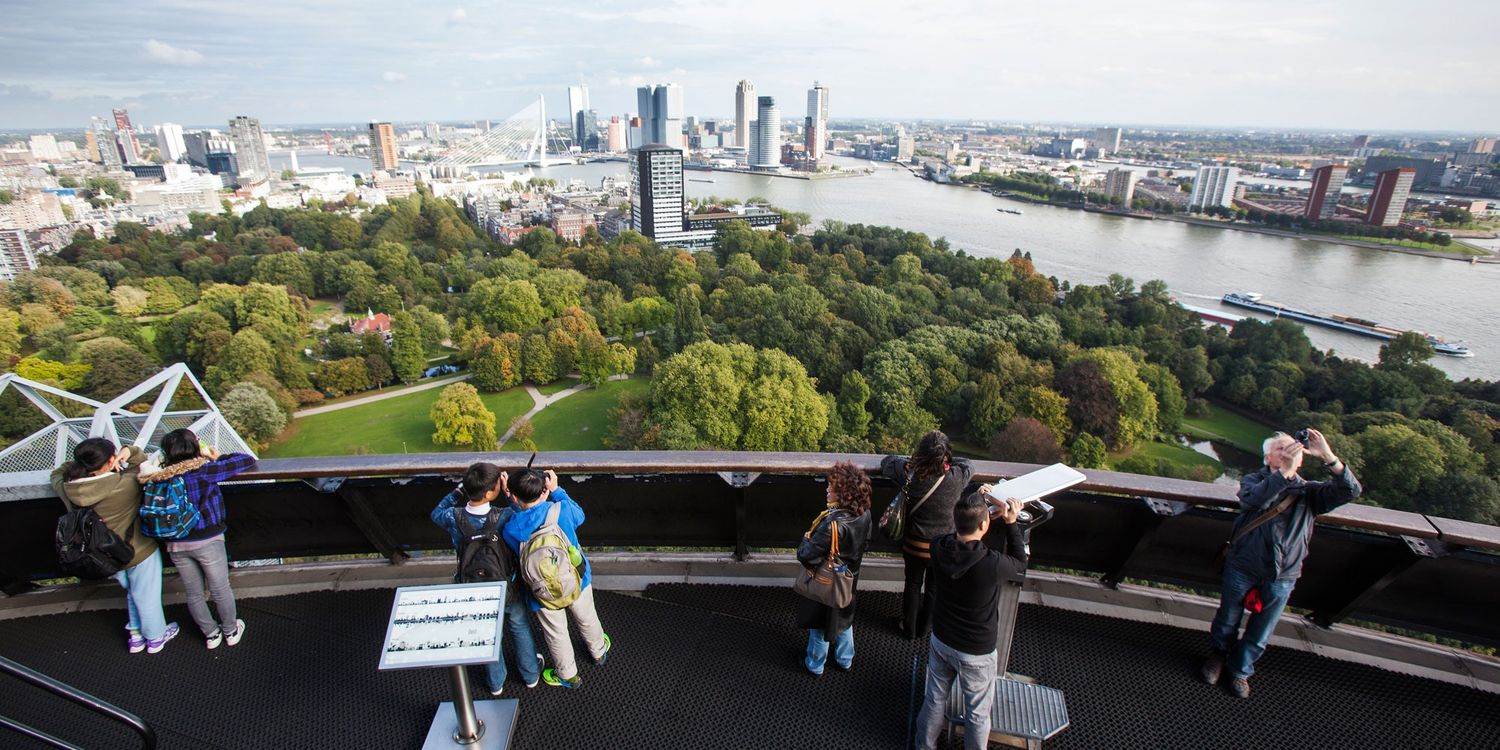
[831,584]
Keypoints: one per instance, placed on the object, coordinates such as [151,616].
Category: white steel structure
[27,463]
[522,138]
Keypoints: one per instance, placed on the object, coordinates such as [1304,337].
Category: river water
[1448,298]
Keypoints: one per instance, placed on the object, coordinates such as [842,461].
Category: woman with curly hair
[849,511]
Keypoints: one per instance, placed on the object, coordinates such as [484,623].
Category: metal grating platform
[708,667]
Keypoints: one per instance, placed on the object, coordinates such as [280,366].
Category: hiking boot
[214,639]
[1213,666]
[550,677]
[1240,686]
[233,639]
[608,644]
[155,647]
[137,642]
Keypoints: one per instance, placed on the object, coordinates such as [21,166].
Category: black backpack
[482,554]
[87,548]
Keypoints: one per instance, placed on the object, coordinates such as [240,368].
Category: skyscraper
[661,114]
[90,145]
[250,145]
[578,102]
[656,188]
[1120,183]
[169,141]
[1214,186]
[1483,145]
[586,130]
[43,147]
[130,148]
[1388,199]
[1323,199]
[15,254]
[615,138]
[382,146]
[1107,139]
[767,134]
[109,147]
[744,113]
[817,121]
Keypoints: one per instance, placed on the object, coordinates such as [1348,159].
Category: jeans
[554,624]
[916,595]
[518,632]
[975,678]
[206,562]
[1240,653]
[143,597]
[817,649]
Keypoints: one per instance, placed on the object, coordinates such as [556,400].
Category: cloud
[391,76]
[166,53]
[648,62]
[459,15]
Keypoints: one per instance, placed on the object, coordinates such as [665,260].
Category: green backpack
[550,562]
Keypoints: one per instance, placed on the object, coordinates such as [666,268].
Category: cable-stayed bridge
[524,138]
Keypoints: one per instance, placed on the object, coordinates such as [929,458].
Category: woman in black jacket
[931,469]
[849,508]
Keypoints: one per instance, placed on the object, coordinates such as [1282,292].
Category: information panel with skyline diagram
[443,625]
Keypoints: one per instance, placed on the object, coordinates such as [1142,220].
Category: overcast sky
[1365,65]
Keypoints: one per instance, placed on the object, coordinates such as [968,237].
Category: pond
[1236,462]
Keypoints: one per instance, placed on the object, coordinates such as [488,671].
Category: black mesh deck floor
[705,667]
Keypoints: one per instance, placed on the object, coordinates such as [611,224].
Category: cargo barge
[1253,301]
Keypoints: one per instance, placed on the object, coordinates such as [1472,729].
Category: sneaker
[496,691]
[608,644]
[843,667]
[214,639]
[1240,687]
[155,647]
[539,665]
[550,677]
[1212,667]
[137,642]
[233,639]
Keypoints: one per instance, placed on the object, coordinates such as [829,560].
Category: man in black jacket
[967,576]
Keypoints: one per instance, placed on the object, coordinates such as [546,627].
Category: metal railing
[61,690]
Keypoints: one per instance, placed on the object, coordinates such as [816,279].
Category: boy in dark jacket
[966,578]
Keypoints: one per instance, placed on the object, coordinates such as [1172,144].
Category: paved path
[381,396]
[540,402]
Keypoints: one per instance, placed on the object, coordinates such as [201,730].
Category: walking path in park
[381,396]
[540,402]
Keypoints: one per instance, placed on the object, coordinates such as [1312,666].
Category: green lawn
[1454,247]
[1228,427]
[561,385]
[1177,454]
[395,425]
[578,422]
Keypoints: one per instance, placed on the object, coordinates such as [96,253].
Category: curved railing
[1428,574]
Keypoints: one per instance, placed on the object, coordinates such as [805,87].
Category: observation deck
[691,559]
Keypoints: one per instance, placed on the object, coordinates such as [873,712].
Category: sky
[1365,66]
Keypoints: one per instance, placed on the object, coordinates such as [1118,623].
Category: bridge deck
[707,666]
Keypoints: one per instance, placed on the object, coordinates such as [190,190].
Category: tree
[459,418]
[523,432]
[1467,497]
[252,412]
[69,377]
[1087,452]
[379,369]
[1046,406]
[114,367]
[1091,403]
[595,360]
[1027,441]
[737,397]
[129,301]
[408,356]
[506,306]
[1404,351]
[285,269]
[342,377]
[854,394]
[1171,405]
[1137,405]
[196,337]
[496,362]
[537,363]
[246,352]
[687,324]
[1397,460]
[10,334]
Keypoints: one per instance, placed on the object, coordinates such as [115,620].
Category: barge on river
[1253,301]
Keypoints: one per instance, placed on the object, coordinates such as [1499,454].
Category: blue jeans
[1241,651]
[143,597]
[518,632]
[817,649]
[949,669]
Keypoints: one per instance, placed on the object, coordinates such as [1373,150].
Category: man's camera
[1302,436]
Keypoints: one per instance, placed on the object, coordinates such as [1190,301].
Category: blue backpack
[166,511]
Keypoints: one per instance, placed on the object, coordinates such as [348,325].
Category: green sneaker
[608,644]
[550,677]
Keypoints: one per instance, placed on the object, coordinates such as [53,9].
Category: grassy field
[1176,454]
[578,422]
[561,385]
[1455,247]
[395,425]
[1228,427]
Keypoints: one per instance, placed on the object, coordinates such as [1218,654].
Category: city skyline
[186,62]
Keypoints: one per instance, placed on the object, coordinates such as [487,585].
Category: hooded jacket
[966,578]
[201,478]
[1276,549]
[116,497]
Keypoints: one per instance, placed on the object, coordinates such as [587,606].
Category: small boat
[1009,211]
[698,179]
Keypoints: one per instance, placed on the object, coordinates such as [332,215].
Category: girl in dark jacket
[849,508]
[931,469]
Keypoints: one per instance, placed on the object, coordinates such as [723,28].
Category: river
[1448,298]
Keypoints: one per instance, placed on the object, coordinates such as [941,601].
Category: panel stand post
[470,728]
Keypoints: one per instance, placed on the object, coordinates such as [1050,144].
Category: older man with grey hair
[1267,547]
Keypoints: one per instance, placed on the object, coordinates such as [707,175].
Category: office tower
[433,131]
[667,109]
[578,102]
[586,130]
[635,134]
[382,146]
[817,121]
[1388,199]
[767,134]
[295,169]
[1214,186]
[744,113]
[645,104]
[1360,141]
[1323,199]
[43,147]
[15,254]
[1483,145]
[328,138]
[250,146]
[109,147]
[1107,139]
[1120,183]
[906,146]
[90,145]
[169,141]
[615,139]
[656,208]
[130,148]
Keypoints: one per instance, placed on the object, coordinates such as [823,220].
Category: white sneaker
[497,691]
[214,639]
[539,664]
[155,647]
[233,639]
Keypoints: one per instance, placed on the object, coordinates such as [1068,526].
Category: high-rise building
[1120,183]
[1214,186]
[1323,199]
[661,114]
[109,147]
[433,131]
[90,145]
[906,146]
[816,123]
[578,102]
[615,138]
[250,145]
[1107,139]
[1388,199]
[1429,171]
[15,254]
[635,133]
[744,113]
[656,208]
[1360,141]
[169,141]
[586,130]
[382,146]
[130,148]
[767,134]
[43,147]
[1483,145]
